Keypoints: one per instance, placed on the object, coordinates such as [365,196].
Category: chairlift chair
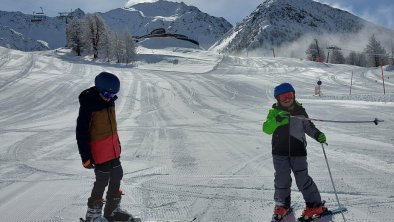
[38,16]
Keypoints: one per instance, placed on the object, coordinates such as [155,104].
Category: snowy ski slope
[190,128]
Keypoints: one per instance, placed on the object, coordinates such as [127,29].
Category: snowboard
[172,220]
[134,220]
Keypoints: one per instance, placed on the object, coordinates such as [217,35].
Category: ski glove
[321,138]
[282,115]
[275,119]
[88,165]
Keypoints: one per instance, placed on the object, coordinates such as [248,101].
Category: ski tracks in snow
[192,145]
[173,111]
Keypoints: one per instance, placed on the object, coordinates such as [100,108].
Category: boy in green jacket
[289,152]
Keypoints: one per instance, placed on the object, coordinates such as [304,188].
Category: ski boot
[312,212]
[113,212]
[94,212]
[280,212]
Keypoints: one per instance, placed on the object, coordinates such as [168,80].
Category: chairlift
[333,47]
[38,16]
[63,14]
[66,16]
[41,13]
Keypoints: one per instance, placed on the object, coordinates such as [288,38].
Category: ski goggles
[109,95]
[286,96]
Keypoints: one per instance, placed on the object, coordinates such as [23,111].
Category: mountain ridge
[139,19]
[275,23]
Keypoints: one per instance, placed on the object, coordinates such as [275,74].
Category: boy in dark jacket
[289,152]
[100,149]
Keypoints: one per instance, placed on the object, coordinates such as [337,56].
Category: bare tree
[117,45]
[108,46]
[118,48]
[96,31]
[375,52]
[75,38]
[93,35]
[362,60]
[356,59]
[130,48]
[352,58]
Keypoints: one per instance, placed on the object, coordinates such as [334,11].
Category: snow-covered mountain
[277,22]
[15,40]
[139,19]
[49,32]
[179,18]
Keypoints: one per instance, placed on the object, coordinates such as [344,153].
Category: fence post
[351,83]
[381,66]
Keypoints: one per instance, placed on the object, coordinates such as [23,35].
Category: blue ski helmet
[283,88]
[108,82]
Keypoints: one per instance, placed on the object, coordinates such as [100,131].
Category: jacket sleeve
[270,124]
[310,128]
[82,132]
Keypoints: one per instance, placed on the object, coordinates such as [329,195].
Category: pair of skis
[327,213]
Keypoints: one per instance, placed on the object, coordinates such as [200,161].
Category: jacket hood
[92,95]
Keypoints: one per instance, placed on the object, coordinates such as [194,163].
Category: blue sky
[377,11]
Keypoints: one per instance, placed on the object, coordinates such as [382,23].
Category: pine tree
[375,52]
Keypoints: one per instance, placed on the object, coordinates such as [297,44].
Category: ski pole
[376,120]
[332,181]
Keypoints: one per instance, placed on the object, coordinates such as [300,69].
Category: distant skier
[318,88]
[100,148]
[289,152]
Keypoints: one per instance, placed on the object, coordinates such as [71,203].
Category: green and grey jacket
[289,139]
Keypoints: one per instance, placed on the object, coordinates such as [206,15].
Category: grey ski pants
[283,166]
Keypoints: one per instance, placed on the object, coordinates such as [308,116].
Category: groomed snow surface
[190,127]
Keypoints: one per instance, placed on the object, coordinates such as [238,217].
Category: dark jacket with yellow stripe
[96,131]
